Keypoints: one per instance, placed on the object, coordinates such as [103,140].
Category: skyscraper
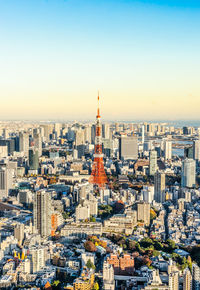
[195,277]
[143,212]
[187,280]
[188,177]
[38,142]
[174,281]
[152,162]
[168,150]
[33,159]
[98,175]
[196,150]
[42,213]
[128,148]
[108,276]
[24,142]
[6,177]
[159,187]
[106,131]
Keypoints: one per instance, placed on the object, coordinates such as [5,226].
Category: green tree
[90,265]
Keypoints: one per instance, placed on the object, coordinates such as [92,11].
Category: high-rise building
[38,258]
[189,152]
[195,277]
[128,148]
[152,162]
[142,133]
[33,159]
[6,178]
[24,142]
[98,175]
[143,212]
[159,187]
[42,213]
[38,142]
[82,212]
[10,143]
[3,151]
[19,232]
[188,177]
[79,139]
[187,280]
[196,150]
[87,132]
[106,131]
[108,276]
[174,281]
[168,150]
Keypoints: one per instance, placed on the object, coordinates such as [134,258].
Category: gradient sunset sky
[143,56]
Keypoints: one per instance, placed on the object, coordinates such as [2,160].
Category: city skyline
[143,56]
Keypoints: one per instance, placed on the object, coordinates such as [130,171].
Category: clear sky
[143,56]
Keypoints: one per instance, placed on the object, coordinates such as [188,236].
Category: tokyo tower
[98,175]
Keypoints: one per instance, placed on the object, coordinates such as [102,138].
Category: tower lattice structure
[98,175]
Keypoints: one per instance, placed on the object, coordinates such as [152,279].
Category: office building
[167,150]
[19,232]
[10,144]
[108,276]
[42,213]
[38,258]
[152,162]
[128,148]
[187,280]
[174,281]
[82,212]
[33,159]
[24,142]
[195,277]
[106,131]
[3,151]
[159,187]
[188,177]
[143,212]
[37,142]
[196,150]
[6,179]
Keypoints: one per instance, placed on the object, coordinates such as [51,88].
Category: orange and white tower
[98,175]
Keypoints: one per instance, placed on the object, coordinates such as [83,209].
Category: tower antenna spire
[98,110]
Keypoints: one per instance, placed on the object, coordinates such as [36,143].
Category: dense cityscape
[99,205]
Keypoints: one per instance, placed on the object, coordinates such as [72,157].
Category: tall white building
[148,193]
[106,131]
[188,177]
[195,277]
[152,162]
[108,276]
[168,150]
[24,142]
[6,179]
[159,187]
[80,137]
[187,280]
[38,142]
[196,150]
[128,148]
[174,281]
[42,213]
[38,258]
[82,212]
